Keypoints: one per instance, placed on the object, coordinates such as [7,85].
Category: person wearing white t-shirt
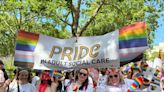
[36,78]
[22,84]
[116,82]
[81,84]
[101,81]
[69,76]
[27,87]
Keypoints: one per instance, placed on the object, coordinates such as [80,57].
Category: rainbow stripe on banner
[25,46]
[132,41]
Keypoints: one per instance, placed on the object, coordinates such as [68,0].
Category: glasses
[113,76]
[83,74]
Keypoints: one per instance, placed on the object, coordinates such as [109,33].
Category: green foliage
[59,18]
[29,15]
[151,55]
[9,67]
[116,14]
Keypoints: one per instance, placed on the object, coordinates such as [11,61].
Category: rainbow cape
[25,46]
[132,42]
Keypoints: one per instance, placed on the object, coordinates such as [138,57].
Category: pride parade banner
[45,52]
[109,50]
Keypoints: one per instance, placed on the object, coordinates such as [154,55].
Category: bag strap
[18,86]
[8,88]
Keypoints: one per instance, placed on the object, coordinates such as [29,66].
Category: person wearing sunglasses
[116,82]
[81,83]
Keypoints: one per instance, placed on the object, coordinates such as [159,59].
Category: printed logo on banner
[96,51]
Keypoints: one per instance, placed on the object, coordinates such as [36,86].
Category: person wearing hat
[4,81]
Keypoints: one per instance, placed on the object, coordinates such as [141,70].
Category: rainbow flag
[132,41]
[58,74]
[156,72]
[137,82]
[146,82]
[25,46]
[155,78]
[144,67]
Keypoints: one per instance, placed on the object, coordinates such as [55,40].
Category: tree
[72,18]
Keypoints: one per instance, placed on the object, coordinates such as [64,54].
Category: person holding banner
[22,83]
[81,83]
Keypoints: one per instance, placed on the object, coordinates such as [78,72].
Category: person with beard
[102,80]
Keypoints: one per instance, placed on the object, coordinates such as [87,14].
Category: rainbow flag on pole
[25,46]
[132,41]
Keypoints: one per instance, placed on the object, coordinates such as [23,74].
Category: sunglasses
[83,74]
[113,76]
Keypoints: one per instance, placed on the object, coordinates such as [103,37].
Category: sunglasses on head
[83,74]
[112,76]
